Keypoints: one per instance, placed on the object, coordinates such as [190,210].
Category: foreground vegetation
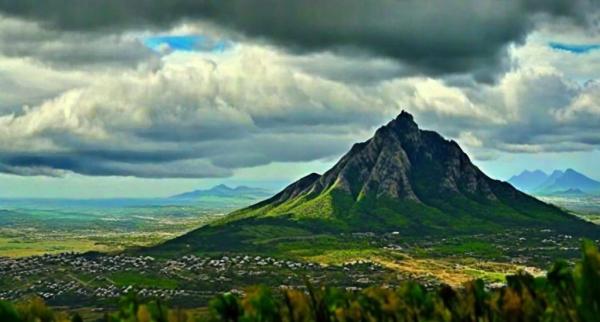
[564,294]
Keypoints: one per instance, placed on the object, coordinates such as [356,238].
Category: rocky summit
[400,162]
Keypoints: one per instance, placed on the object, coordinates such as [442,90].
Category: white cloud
[469,139]
[239,109]
[24,81]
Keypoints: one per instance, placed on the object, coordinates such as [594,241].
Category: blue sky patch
[186,43]
[574,48]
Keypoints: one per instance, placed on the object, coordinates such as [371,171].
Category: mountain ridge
[223,190]
[557,182]
[528,180]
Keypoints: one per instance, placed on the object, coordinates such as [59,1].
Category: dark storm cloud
[48,164]
[23,39]
[432,37]
[210,159]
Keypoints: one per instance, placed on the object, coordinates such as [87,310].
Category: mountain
[224,191]
[569,179]
[408,178]
[403,179]
[537,182]
[528,180]
[572,192]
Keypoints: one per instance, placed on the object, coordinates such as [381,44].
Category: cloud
[433,38]
[197,112]
[22,39]
[25,171]
[584,108]
[541,111]
[469,139]
[198,115]
[205,114]
[18,87]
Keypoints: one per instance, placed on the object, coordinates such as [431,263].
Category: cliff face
[400,162]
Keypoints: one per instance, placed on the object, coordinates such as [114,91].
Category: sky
[149,98]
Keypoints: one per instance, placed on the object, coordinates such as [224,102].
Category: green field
[38,227]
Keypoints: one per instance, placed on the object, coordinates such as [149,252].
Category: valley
[45,252]
[586,206]
[37,227]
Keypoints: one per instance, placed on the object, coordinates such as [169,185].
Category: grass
[341,256]
[480,249]
[485,275]
[16,247]
[455,213]
[29,232]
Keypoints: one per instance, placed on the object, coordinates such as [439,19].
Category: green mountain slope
[403,179]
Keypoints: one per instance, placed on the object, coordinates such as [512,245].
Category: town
[85,279]
[95,279]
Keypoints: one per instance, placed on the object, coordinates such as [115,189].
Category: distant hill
[403,179]
[224,191]
[559,182]
[528,180]
[572,192]
[569,179]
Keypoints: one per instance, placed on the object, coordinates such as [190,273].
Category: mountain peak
[404,115]
[571,171]
[403,122]
[536,172]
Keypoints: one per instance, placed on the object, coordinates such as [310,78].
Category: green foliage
[131,309]
[587,280]
[565,294]
[8,312]
[226,307]
[32,310]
